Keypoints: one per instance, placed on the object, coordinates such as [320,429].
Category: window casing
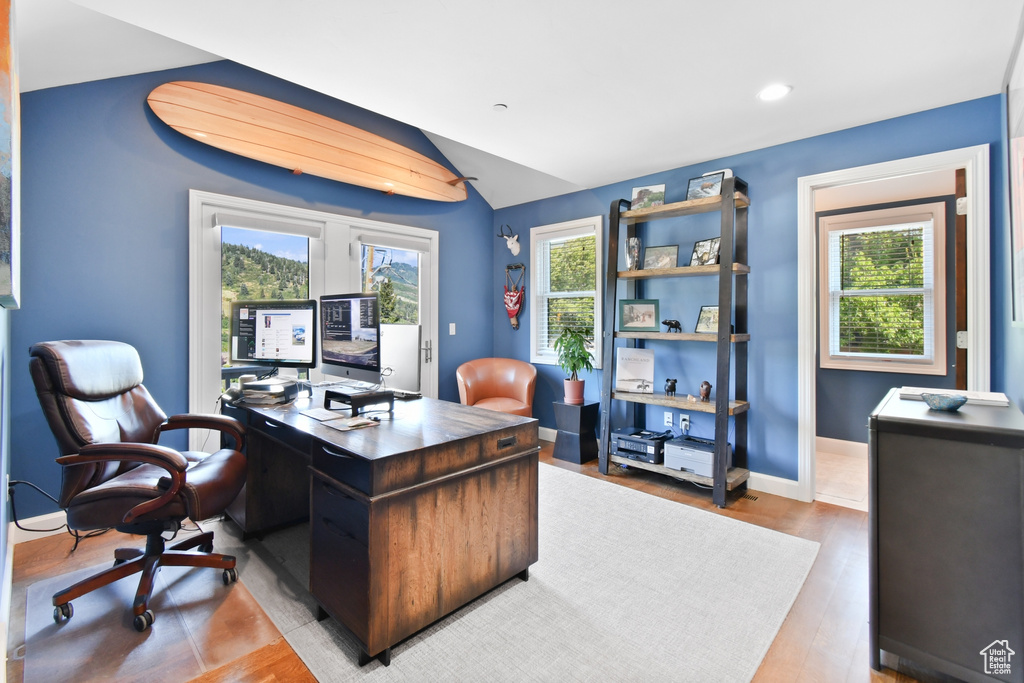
[565,285]
[883,292]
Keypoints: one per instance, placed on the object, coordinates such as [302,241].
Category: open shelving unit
[731,338]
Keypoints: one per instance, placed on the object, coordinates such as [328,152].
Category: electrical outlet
[668,418]
[684,422]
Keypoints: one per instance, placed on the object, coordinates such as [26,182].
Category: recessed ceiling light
[500,107]
[774,92]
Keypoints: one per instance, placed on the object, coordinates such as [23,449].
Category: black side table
[576,440]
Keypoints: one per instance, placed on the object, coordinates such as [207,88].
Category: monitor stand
[359,400]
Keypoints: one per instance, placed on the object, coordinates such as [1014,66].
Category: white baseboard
[54,520]
[546,433]
[853,449]
[5,601]
[777,486]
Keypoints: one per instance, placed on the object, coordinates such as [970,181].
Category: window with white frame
[883,290]
[565,291]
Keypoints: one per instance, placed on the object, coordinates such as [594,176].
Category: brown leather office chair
[502,384]
[114,473]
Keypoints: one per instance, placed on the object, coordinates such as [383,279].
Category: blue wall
[105,235]
[772,175]
[105,246]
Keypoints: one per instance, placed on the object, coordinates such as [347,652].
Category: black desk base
[576,440]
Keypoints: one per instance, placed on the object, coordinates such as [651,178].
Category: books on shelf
[984,398]
[634,370]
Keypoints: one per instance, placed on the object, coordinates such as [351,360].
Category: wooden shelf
[681,336]
[680,402]
[681,271]
[686,208]
[733,478]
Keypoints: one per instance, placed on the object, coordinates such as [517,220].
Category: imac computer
[350,339]
[276,334]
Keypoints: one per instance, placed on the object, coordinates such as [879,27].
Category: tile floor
[842,480]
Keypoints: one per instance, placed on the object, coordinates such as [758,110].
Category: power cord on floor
[14,514]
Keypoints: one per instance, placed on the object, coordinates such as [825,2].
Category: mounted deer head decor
[511,241]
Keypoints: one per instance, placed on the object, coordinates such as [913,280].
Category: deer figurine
[511,241]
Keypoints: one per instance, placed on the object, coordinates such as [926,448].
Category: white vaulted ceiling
[597,91]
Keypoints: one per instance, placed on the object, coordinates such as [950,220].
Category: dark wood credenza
[946,550]
[409,520]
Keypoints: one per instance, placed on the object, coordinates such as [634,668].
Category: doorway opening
[975,163]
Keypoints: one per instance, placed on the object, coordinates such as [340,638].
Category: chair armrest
[221,423]
[151,454]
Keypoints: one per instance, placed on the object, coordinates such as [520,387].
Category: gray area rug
[628,587]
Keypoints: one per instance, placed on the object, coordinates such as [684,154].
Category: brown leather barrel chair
[502,384]
[115,475]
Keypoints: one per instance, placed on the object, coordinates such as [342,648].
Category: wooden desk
[409,520]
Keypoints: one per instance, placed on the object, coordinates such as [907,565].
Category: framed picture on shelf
[705,252]
[638,315]
[648,196]
[661,257]
[707,321]
[705,186]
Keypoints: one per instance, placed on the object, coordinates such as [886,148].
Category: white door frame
[975,161]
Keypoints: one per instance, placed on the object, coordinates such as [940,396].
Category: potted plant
[573,357]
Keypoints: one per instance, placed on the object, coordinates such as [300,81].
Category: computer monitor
[280,334]
[350,336]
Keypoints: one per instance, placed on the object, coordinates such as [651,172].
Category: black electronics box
[639,444]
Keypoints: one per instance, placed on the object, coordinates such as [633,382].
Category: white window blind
[883,283]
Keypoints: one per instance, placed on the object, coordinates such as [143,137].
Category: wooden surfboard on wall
[300,140]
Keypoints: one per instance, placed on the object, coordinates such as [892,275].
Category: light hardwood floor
[824,638]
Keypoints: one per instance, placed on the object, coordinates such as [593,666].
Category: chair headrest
[90,369]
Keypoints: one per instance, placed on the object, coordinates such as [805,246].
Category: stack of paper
[984,398]
[269,392]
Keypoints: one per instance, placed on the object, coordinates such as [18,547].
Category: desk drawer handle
[267,423]
[328,451]
[335,492]
[335,529]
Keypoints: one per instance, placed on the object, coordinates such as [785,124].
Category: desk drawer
[346,468]
[339,570]
[282,433]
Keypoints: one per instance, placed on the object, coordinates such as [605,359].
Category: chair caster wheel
[230,576]
[144,620]
[63,612]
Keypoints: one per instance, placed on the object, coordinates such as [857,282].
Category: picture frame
[705,186]
[639,315]
[705,252]
[1015,152]
[647,196]
[707,321]
[661,257]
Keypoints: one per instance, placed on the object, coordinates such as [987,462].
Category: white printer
[692,454]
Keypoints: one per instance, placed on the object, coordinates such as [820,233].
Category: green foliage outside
[571,271]
[248,273]
[884,260]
